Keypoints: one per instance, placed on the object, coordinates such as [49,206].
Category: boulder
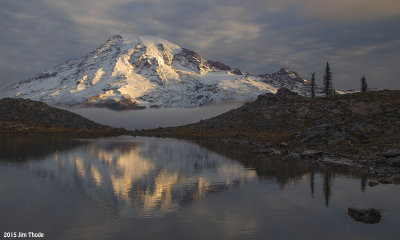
[311,154]
[338,137]
[283,144]
[392,153]
[366,215]
[316,133]
[328,132]
[396,163]
[381,163]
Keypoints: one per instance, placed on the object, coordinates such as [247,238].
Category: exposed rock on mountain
[131,72]
[26,116]
[281,79]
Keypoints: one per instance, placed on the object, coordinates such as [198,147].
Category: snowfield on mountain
[134,72]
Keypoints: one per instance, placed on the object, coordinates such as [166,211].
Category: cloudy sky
[258,36]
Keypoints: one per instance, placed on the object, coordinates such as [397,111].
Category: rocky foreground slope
[23,116]
[360,127]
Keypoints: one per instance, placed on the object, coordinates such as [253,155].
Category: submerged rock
[373,184]
[365,215]
[385,181]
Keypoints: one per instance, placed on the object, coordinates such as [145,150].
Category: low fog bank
[153,118]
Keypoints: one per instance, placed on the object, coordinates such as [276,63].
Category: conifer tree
[364,85]
[313,84]
[327,81]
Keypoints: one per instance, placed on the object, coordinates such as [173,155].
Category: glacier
[135,72]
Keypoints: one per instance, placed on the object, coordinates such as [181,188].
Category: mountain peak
[132,39]
[287,71]
[130,72]
[127,37]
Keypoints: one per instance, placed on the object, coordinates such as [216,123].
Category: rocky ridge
[23,116]
[359,129]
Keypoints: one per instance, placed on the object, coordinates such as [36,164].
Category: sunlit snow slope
[129,72]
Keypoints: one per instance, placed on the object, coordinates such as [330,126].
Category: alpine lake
[162,188]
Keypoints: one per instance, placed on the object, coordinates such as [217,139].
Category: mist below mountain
[153,118]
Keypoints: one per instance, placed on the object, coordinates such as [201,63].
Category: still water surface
[149,188]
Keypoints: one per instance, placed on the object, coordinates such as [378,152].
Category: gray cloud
[258,36]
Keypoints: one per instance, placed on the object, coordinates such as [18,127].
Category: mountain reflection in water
[285,172]
[155,176]
[151,188]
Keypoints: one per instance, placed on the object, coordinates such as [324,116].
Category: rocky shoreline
[380,169]
[355,130]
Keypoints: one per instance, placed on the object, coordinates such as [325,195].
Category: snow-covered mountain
[129,72]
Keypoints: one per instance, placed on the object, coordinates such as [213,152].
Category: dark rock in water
[373,184]
[392,153]
[367,215]
[385,181]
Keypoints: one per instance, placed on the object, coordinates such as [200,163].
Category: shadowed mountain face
[27,116]
[134,72]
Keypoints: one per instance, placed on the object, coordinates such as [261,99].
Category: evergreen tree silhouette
[313,84]
[327,81]
[364,85]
